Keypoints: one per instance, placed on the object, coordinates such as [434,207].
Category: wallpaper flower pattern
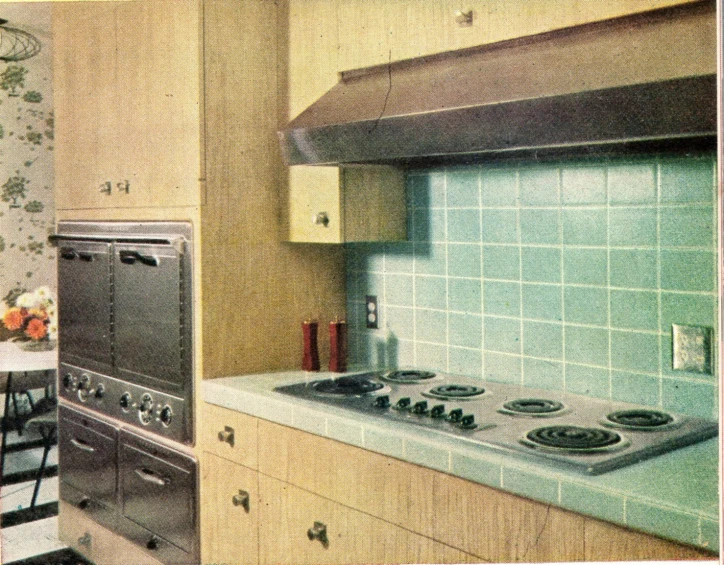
[27,209]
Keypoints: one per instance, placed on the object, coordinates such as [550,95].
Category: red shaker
[338,346]
[310,360]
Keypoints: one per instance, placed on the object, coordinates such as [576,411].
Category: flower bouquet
[31,319]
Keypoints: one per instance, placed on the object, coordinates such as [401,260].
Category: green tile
[463,188]
[431,259]
[634,387]
[583,185]
[585,226]
[501,262]
[540,226]
[632,183]
[371,283]
[634,309]
[465,330]
[663,521]
[399,257]
[465,295]
[500,226]
[688,309]
[427,454]
[541,264]
[400,321]
[431,356]
[403,356]
[634,351]
[586,345]
[428,225]
[502,367]
[500,187]
[539,186]
[343,430]
[687,180]
[502,298]
[382,441]
[543,339]
[423,193]
[431,292]
[431,326]
[585,266]
[476,470]
[542,373]
[630,227]
[463,225]
[398,290]
[591,502]
[633,268]
[690,226]
[531,485]
[589,381]
[710,534]
[467,362]
[689,397]
[463,260]
[688,270]
[501,334]
[586,305]
[542,301]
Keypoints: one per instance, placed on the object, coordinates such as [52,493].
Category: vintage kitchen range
[589,435]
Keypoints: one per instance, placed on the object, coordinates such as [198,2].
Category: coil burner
[640,419]
[533,407]
[574,439]
[455,392]
[347,386]
[408,376]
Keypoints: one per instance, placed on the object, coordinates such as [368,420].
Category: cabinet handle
[319,532]
[321,219]
[241,499]
[106,187]
[124,186]
[227,435]
[85,540]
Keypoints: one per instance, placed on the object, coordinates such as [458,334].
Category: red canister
[338,346]
[310,360]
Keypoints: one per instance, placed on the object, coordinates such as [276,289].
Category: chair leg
[18,418]
[48,441]
[5,426]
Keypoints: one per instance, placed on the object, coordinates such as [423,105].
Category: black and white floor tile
[30,536]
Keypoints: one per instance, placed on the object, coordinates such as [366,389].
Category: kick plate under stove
[589,435]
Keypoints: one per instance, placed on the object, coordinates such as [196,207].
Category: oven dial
[69,381]
[125,401]
[166,416]
[145,409]
[84,387]
[100,391]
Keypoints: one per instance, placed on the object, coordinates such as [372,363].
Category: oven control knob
[468,422]
[437,411]
[166,415]
[100,391]
[84,387]
[420,407]
[455,415]
[382,402]
[145,409]
[125,401]
[152,543]
[68,381]
[403,403]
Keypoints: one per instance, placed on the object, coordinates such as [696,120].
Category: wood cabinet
[127,110]
[229,434]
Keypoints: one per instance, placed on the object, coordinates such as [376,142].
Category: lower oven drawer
[158,487]
[87,459]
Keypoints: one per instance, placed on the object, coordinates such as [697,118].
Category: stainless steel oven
[126,322]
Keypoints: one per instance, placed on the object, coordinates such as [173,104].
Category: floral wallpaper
[27,210]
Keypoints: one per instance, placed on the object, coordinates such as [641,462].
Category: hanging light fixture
[16,44]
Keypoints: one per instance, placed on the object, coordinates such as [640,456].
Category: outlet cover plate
[371,312]
[691,348]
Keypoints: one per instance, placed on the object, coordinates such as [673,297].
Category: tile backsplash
[564,276]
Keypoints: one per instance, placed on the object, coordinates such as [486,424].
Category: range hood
[635,82]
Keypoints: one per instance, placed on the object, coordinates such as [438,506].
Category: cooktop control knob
[100,391]
[455,415]
[403,403]
[437,411]
[125,401]
[145,409]
[84,387]
[468,422]
[420,407]
[382,401]
[166,415]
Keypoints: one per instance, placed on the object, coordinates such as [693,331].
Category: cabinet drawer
[229,434]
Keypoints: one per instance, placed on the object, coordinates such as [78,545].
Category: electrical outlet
[691,348]
[372,313]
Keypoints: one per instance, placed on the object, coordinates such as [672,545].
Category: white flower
[26,300]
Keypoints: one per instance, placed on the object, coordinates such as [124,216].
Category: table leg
[5,423]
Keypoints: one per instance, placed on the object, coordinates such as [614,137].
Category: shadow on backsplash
[564,276]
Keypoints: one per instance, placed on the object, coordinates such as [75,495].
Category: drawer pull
[319,532]
[85,540]
[80,444]
[241,499]
[152,477]
[227,435]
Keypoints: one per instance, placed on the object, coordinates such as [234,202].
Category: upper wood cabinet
[127,104]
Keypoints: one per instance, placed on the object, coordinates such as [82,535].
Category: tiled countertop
[674,495]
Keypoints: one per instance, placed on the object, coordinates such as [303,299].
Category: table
[22,371]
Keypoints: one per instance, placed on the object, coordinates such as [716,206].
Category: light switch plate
[691,348]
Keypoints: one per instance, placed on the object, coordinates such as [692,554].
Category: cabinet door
[127,104]
[298,527]
[229,434]
[229,512]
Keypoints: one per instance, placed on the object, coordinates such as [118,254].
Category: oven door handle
[152,477]
[130,257]
[80,444]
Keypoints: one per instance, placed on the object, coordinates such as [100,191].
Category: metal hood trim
[642,80]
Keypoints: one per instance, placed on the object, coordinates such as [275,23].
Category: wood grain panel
[217,420]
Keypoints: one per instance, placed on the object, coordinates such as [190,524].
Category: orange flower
[36,329]
[14,318]
[38,313]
